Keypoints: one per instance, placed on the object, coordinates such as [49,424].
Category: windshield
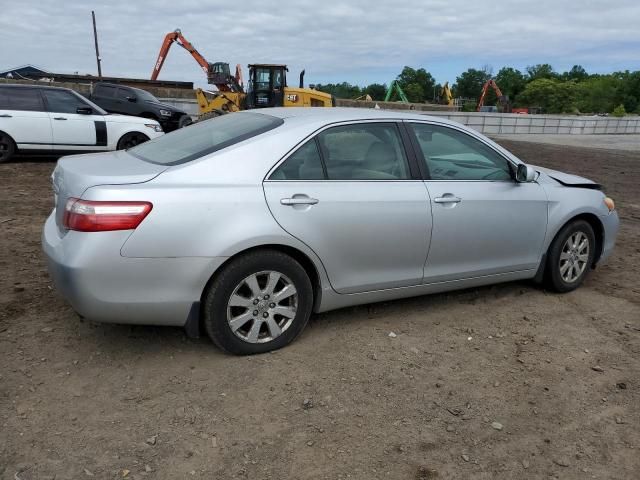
[202,138]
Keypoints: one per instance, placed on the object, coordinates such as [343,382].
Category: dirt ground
[505,382]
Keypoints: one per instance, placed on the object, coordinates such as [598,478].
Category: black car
[116,98]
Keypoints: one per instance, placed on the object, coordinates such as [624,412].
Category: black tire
[131,139]
[7,147]
[218,293]
[554,279]
[185,121]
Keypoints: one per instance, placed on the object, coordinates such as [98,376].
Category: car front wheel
[570,256]
[131,139]
[259,302]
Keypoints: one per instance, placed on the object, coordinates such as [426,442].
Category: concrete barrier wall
[499,123]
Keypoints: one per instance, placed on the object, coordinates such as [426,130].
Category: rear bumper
[611,224]
[100,284]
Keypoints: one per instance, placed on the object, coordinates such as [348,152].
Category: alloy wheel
[262,307]
[574,257]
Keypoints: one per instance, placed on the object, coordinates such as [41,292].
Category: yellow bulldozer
[266,86]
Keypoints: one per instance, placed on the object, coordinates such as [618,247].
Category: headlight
[166,113]
[153,126]
[609,203]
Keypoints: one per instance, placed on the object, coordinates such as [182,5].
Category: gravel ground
[499,382]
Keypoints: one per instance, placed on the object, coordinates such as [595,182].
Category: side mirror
[132,98]
[525,173]
[84,110]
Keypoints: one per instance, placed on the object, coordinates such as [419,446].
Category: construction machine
[266,86]
[446,97]
[504,106]
[395,86]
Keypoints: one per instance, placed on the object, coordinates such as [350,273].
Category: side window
[28,99]
[366,151]
[453,155]
[303,164]
[106,91]
[123,93]
[60,101]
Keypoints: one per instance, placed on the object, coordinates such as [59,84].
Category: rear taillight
[92,216]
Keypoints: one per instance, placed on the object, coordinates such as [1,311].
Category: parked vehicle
[250,222]
[125,100]
[36,119]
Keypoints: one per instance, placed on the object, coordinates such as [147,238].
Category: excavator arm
[177,37]
[490,83]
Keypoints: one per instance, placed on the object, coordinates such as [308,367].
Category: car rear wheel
[131,139]
[259,302]
[7,147]
[570,256]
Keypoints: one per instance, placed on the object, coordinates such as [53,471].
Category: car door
[484,222]
[352,196]
[127,101]
[24,118]
[74,123]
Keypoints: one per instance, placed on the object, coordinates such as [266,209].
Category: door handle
[447,199]
[59,118]
[299,201]
[6,115]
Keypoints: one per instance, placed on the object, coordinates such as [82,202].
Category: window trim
[422,163]
[410,154]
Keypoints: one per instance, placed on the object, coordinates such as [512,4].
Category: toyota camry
[244,225]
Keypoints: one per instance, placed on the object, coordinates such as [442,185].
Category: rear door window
[365,151]
[202,138]
[304,164]
[26,99]
[106,91]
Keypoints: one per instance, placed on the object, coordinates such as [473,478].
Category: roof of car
[344,114]
[30,85]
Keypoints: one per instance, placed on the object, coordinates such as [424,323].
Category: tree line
[540,86]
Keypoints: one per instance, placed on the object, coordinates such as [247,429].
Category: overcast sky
[334,40]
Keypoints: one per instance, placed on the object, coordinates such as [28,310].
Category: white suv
[35,119]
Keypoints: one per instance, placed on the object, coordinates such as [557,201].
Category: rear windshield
[202,138]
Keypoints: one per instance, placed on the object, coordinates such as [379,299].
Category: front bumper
[611,224]
[102,285]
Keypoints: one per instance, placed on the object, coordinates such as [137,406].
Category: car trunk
[75,174]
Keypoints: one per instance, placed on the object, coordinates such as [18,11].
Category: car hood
[567,179]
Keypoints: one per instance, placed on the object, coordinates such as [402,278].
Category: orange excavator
[503,100]
[218,73]
[267,86]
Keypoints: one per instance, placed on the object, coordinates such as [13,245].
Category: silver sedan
[245,224]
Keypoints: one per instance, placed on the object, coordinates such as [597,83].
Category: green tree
[419,82]
[619,111]
[511,82]
[553,96]
[377,91]
[599,94]
[469,84]
[577,73]
[542,70]
[341,90]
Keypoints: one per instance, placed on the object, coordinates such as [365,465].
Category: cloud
[358,41]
